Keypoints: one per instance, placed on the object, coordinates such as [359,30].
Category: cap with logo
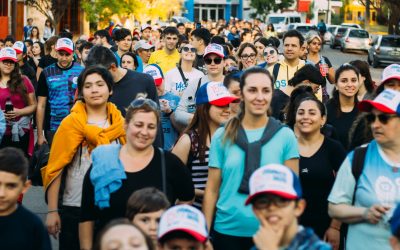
[391,72]
[154,71]
[145,26]
[8,54]
[214,93]
[388,101]
[19,47]
[214,48]
[142,44]
[186,219]
[274,179]
[65,44]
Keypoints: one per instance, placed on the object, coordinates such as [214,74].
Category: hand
[375,213]
[209,246]
[41,139]
[11,115]
[165,106]
[332,236]
[267,237]
[53,223]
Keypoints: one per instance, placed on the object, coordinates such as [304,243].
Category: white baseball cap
[142,44]
[145,26]
[19,47]
[65,44]
[388,101]
[8,54]
[186,219]
[274,179]
[154,71]
[214,93]
[214,48]
[391,72]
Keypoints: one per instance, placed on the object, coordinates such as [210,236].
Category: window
[349,16]
[359,34]
[390,42]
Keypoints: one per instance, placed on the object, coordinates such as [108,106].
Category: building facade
[198,10]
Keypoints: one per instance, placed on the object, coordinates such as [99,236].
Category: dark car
[384,50]
[337,37]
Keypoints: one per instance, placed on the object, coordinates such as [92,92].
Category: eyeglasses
[268,200]
[383,118]
[216,60]
[245,56]
[140,102]
[8,62]
[271,52]
[187,49]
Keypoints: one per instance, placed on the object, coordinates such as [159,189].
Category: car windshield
[276,19]
[390,42]
[341,30]
[331,29]
[304,29]
[359,34]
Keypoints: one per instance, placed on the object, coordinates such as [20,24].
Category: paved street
[34,199]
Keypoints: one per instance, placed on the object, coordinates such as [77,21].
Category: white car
[352,25]
[356,39]
[330,30]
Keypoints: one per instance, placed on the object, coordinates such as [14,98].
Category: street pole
[328,21]
[14,19]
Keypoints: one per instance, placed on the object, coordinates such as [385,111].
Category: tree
[53,9]
[263,7]
[102,10]
[394,18]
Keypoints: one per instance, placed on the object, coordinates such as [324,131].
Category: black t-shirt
[179,186]
[47,60]
[133,83]
[278,103]
[23,230]
[32,64]
[341,122]
[317,175]
[27,70]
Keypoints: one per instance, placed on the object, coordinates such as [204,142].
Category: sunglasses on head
[187,49]
[271,52]
[140,102]
[216,60]
[383,118]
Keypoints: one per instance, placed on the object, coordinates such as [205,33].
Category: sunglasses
[383,118]
[245,56]
[217,60]
[8,62]
[187,49]
[140,102]
[271,52]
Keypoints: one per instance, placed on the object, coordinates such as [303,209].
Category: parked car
[281,21]
[303,28]
[329,33]
[356,39]
[352,25]
[337,36]
[384,50]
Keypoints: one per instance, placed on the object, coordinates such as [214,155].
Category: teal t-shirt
[232,216]
[378,184]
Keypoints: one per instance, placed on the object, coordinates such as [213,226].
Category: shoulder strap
[275,72]
[357,164]
[198,86]
[163,171]
[182,75]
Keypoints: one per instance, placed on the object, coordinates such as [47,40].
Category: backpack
[39,160]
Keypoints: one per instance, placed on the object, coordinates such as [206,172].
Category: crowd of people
[219,136]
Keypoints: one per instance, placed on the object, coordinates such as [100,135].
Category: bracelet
[336,228]
[52,211]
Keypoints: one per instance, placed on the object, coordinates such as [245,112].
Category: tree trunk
[393,27]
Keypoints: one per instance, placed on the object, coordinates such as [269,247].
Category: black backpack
[39,160]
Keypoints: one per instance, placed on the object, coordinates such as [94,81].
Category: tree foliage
[264,7]
[53,9]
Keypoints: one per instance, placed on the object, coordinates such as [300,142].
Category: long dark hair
[38,32]
[241,49]
[16,84]
[199,125]
[41,45]
[231,128]
[335,94]
[363,68]
[298,94]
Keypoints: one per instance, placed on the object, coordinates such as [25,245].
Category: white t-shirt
[174,82]
[76,172]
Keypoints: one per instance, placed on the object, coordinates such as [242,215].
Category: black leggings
[224,242]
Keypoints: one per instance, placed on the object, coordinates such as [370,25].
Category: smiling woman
[137,164]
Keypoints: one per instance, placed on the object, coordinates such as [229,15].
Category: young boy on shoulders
[19,228]
[182,227]
[275,196]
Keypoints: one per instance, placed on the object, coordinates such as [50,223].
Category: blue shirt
[170,134]
[232,216]
[2,125]
[378,184]
[61,87]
